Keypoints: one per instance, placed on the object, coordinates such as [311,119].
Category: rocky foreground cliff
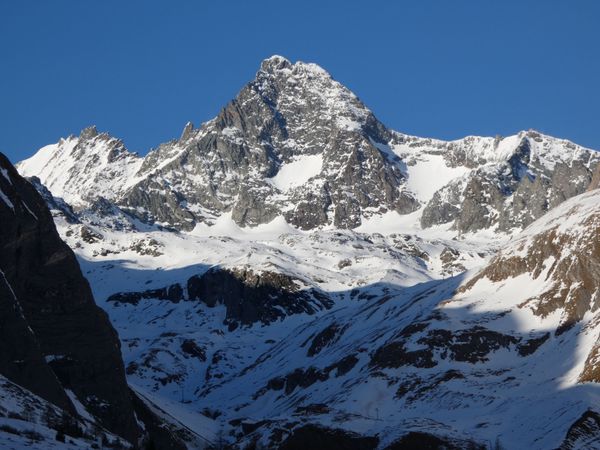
[59,354]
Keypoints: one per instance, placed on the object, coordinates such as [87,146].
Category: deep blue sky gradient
[445,69]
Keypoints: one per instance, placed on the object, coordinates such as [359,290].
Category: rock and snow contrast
[294,274]
[296,144]
[62,373]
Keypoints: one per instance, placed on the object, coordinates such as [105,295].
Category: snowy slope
[29,422]
[155,332]
[81,168]
[297,172]
[380,269]
[367,376]
[422,358]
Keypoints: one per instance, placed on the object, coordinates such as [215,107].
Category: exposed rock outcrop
[251,297]
[563,249]
[584,433]
[513,181]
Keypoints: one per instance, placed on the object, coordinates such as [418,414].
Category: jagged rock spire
[88,133]
[275,63]
[187,131]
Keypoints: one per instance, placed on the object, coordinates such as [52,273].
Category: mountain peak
[275,63]
[88,133]
[278,65]
[78,169]
[187,131]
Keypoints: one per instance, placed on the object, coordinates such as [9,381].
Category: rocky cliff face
[563,250]
[509,183]
[56,342]
[249,296]
[292,136]
[73,334]
[24,363]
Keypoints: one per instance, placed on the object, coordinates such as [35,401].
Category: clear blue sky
[445,69]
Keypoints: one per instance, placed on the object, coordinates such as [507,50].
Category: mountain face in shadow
[55,342]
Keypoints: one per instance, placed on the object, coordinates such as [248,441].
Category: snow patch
[430,174]
[297,172]
[6,200]
[348,124]
[79,406]
[4,173]
[225,226]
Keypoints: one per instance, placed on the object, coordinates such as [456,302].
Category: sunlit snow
[297,172]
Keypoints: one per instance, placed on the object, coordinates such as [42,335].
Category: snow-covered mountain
[293,272]
[296,144]
[80,169]
[61,368]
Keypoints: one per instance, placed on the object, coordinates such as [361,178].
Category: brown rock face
[570,262]
[69,330]
[583,433]
[561,251]
[591,369]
